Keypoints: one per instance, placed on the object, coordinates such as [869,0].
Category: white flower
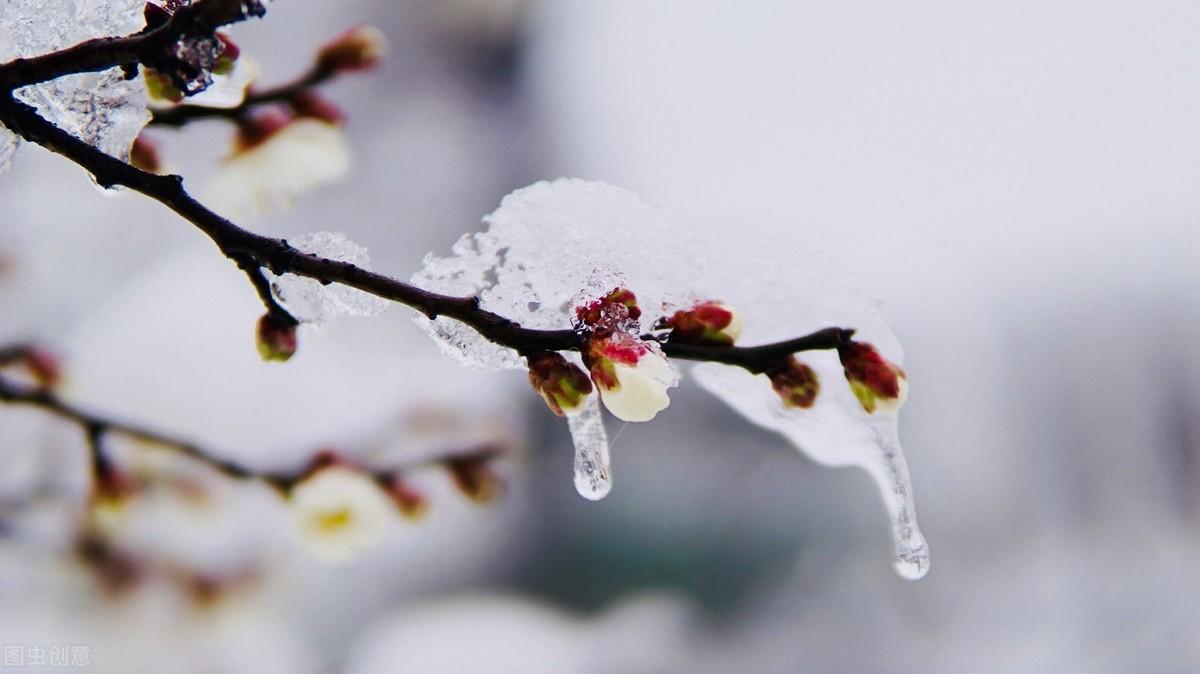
[339,512]
[632,378]
[303,154]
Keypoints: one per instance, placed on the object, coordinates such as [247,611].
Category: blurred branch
[98,427]
[181,115]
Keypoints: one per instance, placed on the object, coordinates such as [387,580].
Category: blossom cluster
[633,376]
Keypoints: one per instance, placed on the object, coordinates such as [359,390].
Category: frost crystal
[310,301]
[103,109]
[593,475]
[553,244]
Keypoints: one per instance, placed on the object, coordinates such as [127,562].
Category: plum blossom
[276,158]
[339,512]
[631,374]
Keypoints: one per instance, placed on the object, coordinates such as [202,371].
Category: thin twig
[181,115]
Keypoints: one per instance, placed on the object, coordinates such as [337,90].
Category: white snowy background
[1015,180]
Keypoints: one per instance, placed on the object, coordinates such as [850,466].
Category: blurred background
[1016,180]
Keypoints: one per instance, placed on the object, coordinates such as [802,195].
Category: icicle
[891,473]
[593,476]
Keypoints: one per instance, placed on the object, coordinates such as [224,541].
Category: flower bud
[254,130]
[357,49]
[275,338]
[795,382]
[705,323]
[613,311]
[43,366]
[308,103]
[144,154]
[412,504]
[474,477]
[878,384]
[562,384]
[632,377]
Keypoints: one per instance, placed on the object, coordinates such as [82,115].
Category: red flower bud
[255,129]
[562,384]
[877,383]
[357,49]
[705,323]
[795,382]
[611,312]
[276,338]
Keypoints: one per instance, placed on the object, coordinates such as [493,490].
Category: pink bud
[705,323]
[144,154]
[795,382]
[357,49]
[411,503]
[562,384]
[44,366]
[309,103]
[276,338]
[878,384]
[474,477]
[255,129]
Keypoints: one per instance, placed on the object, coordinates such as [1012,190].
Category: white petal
[305,154]
[642,390]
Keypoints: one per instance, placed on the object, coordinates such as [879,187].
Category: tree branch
[181,115]
[97,426]
[203,16]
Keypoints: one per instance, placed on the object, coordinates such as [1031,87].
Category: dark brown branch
[100,54]
[181,115]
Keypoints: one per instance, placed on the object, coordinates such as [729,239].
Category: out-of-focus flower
[705,323]
[562,384]
[339,512]
[879,385]
[359,48]
[275,338]
[277,157]
[630,374]
[795,382]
